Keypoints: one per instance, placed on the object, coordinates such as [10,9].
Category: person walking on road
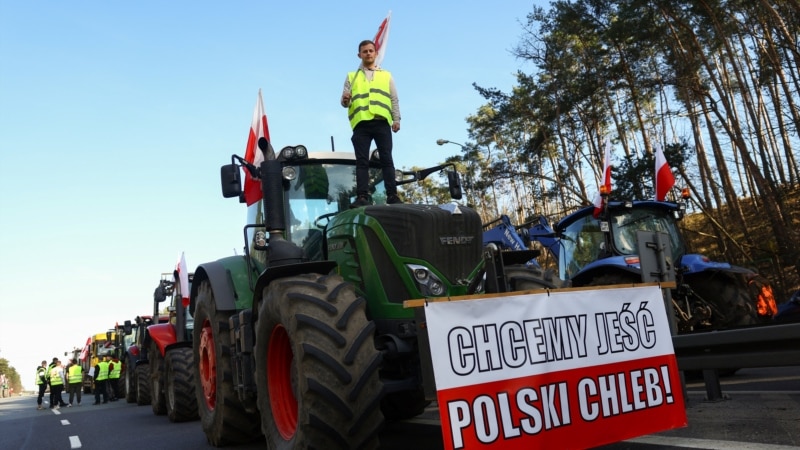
[100,379]
[373,108]
[57,382]
[41,381]
[75,380]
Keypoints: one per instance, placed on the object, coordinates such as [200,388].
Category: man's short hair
[365,42]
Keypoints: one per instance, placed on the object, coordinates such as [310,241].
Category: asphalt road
[761,411]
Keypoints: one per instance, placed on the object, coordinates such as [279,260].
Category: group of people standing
[106,375]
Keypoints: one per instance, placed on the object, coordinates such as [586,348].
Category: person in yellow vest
[41,381]
[114,372]
[373,108]
[75,381]
[100,379]
[57,382]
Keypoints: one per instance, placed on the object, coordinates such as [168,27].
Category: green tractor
[304,339]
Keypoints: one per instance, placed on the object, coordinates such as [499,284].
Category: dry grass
[701,236]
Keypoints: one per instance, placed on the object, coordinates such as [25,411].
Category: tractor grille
[450,243]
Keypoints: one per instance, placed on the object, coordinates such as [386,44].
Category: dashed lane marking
[74,442]
[65,422]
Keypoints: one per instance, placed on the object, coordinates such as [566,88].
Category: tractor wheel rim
[279,382]
[208,365]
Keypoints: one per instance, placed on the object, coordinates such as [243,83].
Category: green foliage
[635,177]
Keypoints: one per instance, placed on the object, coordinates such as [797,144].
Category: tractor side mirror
[231,180]
[127,327]
[454,183]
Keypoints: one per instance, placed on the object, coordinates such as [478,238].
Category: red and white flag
[382,38]
[183,280]
[605,183]
[85,352]
[664,178]
[258,129]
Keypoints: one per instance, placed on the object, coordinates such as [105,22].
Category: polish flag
[381,39]
[183,279]
[605,183]
[258,129]
[85,352]
[664,178]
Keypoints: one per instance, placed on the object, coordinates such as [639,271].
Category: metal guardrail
[757,346]
[768,345]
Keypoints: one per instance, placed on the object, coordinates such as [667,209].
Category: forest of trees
[713,83]
[12,376]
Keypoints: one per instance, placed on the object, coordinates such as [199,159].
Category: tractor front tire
[181,398]
[157,400]
[224,419]
[316,365]
[731,302]
[143,384]
[130,383]
[524,278]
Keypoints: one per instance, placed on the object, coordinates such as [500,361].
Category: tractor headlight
[427,282]
[301,151]
[289,173]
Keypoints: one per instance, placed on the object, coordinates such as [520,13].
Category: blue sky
[116,116]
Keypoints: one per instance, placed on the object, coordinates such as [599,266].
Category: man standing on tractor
[373,108]
[114,372]
[100,378]
[75,380]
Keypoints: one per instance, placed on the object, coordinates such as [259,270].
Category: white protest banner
[565,369]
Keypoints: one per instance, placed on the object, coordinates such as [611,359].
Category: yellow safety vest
[40,373]
[116,371]
[102,373]
[55,379]
[369,99]
[75,372]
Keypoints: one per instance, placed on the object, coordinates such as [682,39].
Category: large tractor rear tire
[181,398]
[157,399]
[316,366]
[130,383]
[143,384]
[730,299]
[524,278]
[223,417]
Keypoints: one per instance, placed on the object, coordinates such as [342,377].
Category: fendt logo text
[455,240]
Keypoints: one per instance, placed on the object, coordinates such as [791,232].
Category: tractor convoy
[304,340]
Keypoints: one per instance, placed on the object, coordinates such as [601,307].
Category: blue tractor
[603,250]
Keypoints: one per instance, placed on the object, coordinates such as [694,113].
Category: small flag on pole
[258,129]
[605,182]
[382,39]
[664,178]
[183,280]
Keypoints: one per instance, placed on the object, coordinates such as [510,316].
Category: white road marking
[709,444]
[74,442]
[65,422]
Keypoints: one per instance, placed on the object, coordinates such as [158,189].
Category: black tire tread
[228,423]
[181,398]
[143,384]
[338,387]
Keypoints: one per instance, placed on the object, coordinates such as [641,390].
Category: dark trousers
[75,389]
[113,388]
[55,395]
[42,388]
[100,389]
[363,134]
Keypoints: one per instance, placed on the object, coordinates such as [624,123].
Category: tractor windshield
[319,190]
[582,241]
[626,222]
